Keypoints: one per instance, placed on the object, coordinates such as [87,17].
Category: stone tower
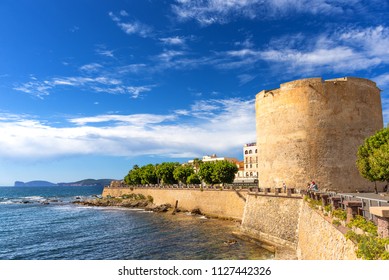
[311,129]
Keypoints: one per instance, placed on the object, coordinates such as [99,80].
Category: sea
[43,223]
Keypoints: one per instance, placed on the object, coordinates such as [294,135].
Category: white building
[249,172]
[214,157]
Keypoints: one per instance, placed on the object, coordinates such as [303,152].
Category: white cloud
[130,28]
[175,41]
[35,88]
[335,59]
[98,84]
[133,91]
[342,51]
[382,80]
[136,119]
[372,40]
[168,55]
[91,67]
[207,12]
[123,13]
[232,124]
[103,51]
[245,78]
[132,68]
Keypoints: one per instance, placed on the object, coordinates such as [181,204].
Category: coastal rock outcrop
[130,201]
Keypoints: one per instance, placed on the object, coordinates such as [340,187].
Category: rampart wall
[273,218]
[311,129]
[276,219]
[224,204]
[290,222]
[318,239]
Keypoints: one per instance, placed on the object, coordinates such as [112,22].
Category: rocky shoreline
[134,201]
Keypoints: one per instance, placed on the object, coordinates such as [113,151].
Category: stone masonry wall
[318,239]
[273,218]
[311,129]
[225,204]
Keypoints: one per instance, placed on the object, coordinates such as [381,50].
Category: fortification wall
[311,129]
[290,222]
[225,204]
[280,220]
[273,218]
[318,239]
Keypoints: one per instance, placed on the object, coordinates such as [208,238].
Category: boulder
[196,211]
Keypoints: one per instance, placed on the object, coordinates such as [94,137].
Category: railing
[368,200]
[342,200]
[252,187]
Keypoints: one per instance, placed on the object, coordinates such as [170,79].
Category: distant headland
[81,183]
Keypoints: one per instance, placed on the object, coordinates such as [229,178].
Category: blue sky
[89,88]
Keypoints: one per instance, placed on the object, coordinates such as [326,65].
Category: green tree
[206,172]
[224,171]
[380,163]
[196,164]
[193,179]
[182,172]
[148,174]
[134,176]
[373,157]
[165,172]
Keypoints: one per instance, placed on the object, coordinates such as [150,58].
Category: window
[251,174]
[245,152]
[247,174]
[250,152]
[251,166]
[255,150]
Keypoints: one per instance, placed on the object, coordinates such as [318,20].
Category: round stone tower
[310,130]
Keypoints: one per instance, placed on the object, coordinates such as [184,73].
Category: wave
[30,200]
[34,198]
[6,202]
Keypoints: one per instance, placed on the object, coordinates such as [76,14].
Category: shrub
[336,222]
[340,214]
[370,247]
[150,199]
[363,224]
[313,203]
[328,208]
[140,196]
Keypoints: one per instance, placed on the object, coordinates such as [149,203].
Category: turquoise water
[41,223]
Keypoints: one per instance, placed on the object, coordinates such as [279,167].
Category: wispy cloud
[98,84]
[174,41]
[92,67]
[133,91]
[103,51]
[382,80]
[35,88]
[169,55]
[175,134]
[342,51]
[207,12]
[136,119]
[133,27]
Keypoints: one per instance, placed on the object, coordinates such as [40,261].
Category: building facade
[248,171]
